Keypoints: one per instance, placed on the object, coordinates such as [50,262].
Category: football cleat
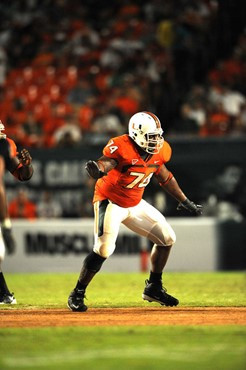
[76,301]
[7,298]
[157,293]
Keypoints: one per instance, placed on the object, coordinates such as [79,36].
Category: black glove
[190,206]
[8,240]
[93,170]
[25,157]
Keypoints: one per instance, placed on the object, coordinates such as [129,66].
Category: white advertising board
[60,245]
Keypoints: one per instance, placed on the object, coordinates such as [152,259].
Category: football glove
[190,206]
[93,170]
[25,157]
[8,239]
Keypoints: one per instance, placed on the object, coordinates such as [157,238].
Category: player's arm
[22,165]
[3,202]
[100,167]
[168,182]
[5,222]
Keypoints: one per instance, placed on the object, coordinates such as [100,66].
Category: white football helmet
[2,128]
[145,129]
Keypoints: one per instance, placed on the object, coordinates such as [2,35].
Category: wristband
[101,164]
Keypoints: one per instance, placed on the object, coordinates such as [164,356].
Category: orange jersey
[125,184]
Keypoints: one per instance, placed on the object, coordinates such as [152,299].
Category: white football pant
[143,219]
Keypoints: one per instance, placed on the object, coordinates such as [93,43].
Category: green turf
[124,290]
[177,348]
[106,348]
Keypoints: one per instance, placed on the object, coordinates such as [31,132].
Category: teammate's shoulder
[10,141]
[166,151]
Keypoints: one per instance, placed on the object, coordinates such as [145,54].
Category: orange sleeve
[166,152]
[13,153]
[113,149]
[12,146]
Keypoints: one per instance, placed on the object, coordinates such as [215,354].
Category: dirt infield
[26,318]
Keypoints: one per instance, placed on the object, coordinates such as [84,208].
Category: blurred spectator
[22,207]
[3,67]
[224,194]
[166,33]
[187,124]
[198,113]
[218,122]
[111,58]
[232,102]
[32,132]
[19,112]
[86,113]
[240,122]
[128,100]
[68,135]
[215,93]
[107,122]
[83,40]
[48,207]
[197,93]
[44,57]
[80,92]
[52,122]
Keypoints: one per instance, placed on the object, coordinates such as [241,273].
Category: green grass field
[145,347]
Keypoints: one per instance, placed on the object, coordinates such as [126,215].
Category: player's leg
[5,296]
[149,222]
[108,217]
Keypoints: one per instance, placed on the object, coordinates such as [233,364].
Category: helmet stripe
[156,119]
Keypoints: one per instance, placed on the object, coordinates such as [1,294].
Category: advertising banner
[61,245]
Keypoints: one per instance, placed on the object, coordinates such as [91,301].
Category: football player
[19,165]
[125,169]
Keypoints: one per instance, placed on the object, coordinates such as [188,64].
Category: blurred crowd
[73,71]
[47,204]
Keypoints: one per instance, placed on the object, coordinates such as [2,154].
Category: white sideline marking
[124,353]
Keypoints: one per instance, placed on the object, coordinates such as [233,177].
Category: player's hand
[190,206]
[25,157]
[93,170]
[8,239]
